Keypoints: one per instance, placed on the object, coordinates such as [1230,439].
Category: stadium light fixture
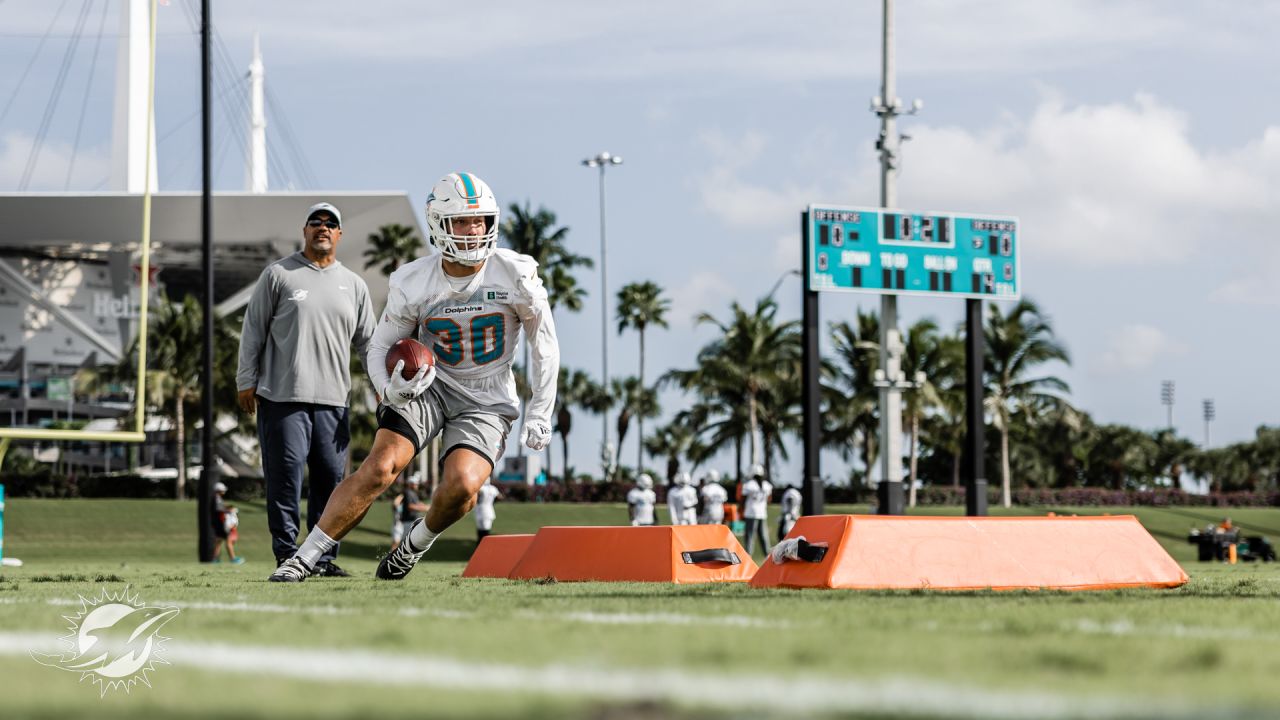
[603,161]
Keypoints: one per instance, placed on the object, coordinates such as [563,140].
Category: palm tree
[576,389]
[1121,456]
[1171,455]
[635,401]
[933,363]
[534,234]
[1015,344]
[739,377]
[753,352]
[851,396]
[676,439]
[393,245]
[640,305]
[173,369]
[563,289]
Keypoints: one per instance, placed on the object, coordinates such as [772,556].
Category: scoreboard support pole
[811,489]
[210,473]
[975,474]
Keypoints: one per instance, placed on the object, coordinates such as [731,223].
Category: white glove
[537,435]
[400,392]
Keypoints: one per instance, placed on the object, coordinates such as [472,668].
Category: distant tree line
[742,394]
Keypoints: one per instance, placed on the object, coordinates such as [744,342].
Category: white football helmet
[712,478]
[683,478]
[461,195]
[645,481]
[757,471]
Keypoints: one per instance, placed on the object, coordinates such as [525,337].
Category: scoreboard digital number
[878,250]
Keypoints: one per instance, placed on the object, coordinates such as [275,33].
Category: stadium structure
[69,268]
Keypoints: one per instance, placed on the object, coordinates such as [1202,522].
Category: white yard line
[592,618]
[598,618]
[1118,628]
[1122,628]
[761,693]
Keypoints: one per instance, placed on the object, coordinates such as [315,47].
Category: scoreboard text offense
[881,251]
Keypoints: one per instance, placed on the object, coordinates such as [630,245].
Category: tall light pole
[1209,414]
[888,107]
[1166,399]
[602,161]
[774,290]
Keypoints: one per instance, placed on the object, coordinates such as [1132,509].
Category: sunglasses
[317,222]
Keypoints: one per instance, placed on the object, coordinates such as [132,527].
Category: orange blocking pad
[633,554]
[946,553]
[496,555]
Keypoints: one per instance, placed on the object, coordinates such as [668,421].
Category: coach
[295,358]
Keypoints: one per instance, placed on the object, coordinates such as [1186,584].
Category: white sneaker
[291,570]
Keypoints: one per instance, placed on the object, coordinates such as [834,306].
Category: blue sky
[1138,142]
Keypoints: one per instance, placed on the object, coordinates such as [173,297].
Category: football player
[640,501]
[790,511]
[757,492]
[469,303]
[714,497]
[688,499]
[675,501]
[484,512]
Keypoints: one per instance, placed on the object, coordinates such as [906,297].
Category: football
[414,354]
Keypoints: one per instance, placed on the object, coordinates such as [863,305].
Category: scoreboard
[884,251]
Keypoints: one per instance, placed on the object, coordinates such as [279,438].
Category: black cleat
[329,569]
[400,561]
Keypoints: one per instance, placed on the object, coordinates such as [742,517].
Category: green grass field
[437,645]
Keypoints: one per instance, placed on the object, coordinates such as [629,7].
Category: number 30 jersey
[472,325]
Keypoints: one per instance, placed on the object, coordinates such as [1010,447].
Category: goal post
[137,434]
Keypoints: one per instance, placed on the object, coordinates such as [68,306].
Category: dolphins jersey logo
[114,641]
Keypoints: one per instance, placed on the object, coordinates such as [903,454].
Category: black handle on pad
[720,555]
[811,553]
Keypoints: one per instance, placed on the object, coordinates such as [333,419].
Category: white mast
[129,128]
[257,169]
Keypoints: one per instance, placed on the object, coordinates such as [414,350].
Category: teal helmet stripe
[468,185]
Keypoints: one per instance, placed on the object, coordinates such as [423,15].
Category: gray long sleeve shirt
[301,322]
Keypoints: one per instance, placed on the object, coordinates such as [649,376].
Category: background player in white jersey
[688,499]
[640,501]
[790,511]
[484,512]
[469,303]
[756,492]
[675,501]
[714,497]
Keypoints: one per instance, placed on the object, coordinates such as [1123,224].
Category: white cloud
[1137,347]
[829,39]
[1113,185]
[92,166]
[1098,185]
[702,291]
[740,196]
[1255,289]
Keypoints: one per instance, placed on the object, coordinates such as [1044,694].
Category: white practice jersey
[642,500]
[757,494]
[484,502]
[714,497]
[675,504]
[688,505]
[791,503]
[472,325]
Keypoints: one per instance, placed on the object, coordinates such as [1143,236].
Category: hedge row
[51,485]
